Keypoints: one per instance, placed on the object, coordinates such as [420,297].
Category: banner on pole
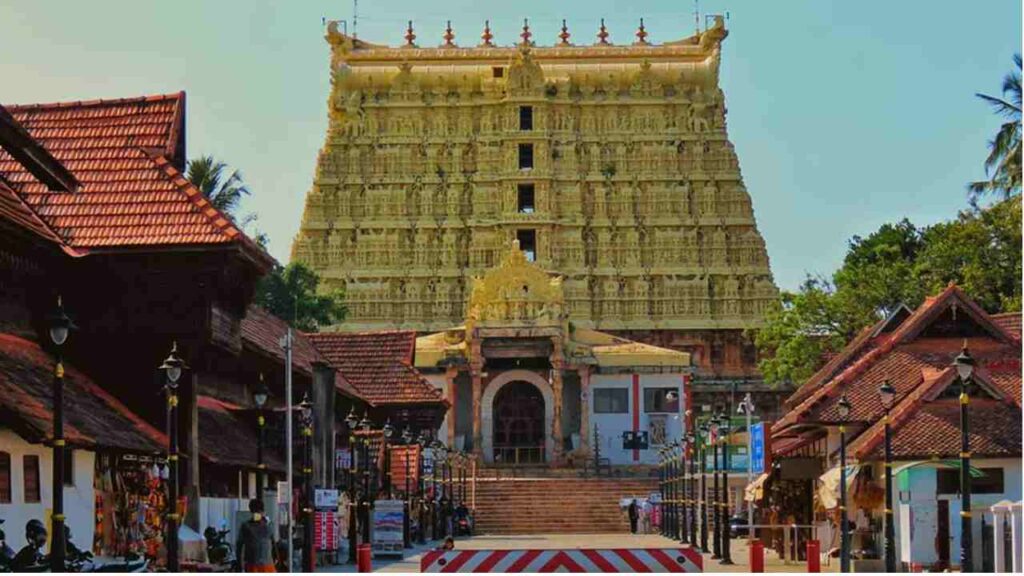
[757,447]
[388,522]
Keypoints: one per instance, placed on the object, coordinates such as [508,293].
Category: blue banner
[757,446]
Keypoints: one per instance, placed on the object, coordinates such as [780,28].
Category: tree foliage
[900,263]
[1002,165]
[224,191]
[292,293]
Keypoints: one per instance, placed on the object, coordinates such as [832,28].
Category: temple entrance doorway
[519,433]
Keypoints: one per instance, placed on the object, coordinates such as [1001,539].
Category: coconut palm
[1003,162]
[208,175]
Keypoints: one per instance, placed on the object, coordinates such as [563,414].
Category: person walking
[634,515]
[256,542]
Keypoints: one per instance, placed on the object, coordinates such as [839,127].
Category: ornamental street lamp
[716,509]
[691,441]
[60,327]
[306,414]
[964,364]
[351,421]
[389,431]
[172,367]
[423,440]
[887,394]
[844,530]
[662,478]
[259,397]
[724,431]
[364,463]
[703,487]
[683,526]
[670,489]
[406,505]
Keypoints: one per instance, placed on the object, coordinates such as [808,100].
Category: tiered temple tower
[609,163]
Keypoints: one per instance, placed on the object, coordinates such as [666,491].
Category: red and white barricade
[608,560]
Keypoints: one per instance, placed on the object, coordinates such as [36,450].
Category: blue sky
[845,114]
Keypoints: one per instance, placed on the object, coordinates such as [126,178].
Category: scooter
[218,549]
[30,558]
[463,522]
[83,561]
[6,552]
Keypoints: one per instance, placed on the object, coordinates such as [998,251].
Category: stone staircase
[550,505]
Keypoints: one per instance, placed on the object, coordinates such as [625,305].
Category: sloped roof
[262,331]
[14,210]
[227,439]
[92,417]
[125,154]
[379,365]
[1010,321]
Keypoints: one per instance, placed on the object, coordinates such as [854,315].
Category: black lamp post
[364,463]
[670,455]
[716,509]
[441,460]
[388,432]
[423,441]
[964,364]
[308,555]
[407,505]
[844,525]
[172,367]
[259,397]
[661,489]
[887,394]
[703,488]
[683,526]
[351,421]
[724,430]
[60,327]
[691,441]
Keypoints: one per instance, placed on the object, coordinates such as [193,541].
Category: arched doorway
[519,428]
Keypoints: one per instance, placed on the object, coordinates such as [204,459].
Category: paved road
[411,562]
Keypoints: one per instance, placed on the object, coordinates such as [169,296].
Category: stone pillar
[584,372]
[323,397]
[451,391]
[998,526]
[478,437]
[1015,531]
[190,481]
[556,389]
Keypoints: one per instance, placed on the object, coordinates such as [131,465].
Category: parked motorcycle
[463,522]
[218,549]
[31,558]
[6,552]
[83,561]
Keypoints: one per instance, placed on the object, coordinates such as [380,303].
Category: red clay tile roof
[262,332]
[131,194]
[1009,321]
[14,210]
[378,365]
[933,430]
[92,417]
[227,438]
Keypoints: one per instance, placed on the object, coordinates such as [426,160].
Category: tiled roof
[226,438]
[262,331]
[1009,321]
[123,152]
[92,417]
[934,431]
[378,365]
[14,210]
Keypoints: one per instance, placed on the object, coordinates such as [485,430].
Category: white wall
[611,426]
[79,500]
[439,382]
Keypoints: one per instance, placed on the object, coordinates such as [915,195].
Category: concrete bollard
[756,556]
[813,556]
[364,558]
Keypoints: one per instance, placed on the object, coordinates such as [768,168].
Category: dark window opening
[5,478]
[717,353]
[498,72]
[30,464]
[526,117]
[947,481]
[526,199]
[611,401]
[525,156]
[528,243]
[656,400]
[749,354]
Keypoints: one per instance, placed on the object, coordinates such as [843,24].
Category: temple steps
[556,505]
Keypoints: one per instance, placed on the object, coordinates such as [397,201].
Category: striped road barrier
[596,561]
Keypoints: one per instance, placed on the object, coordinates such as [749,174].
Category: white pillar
[1015,531]
[997,531]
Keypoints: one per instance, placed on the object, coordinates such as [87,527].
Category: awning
[754,492]
[975,473]
[828,492]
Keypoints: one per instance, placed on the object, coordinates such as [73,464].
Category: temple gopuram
[609,164]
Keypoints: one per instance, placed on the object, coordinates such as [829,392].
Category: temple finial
[487,36]
[641,34]
[602,34]
[449,36]
[564,35]
[409,35]
[526,34]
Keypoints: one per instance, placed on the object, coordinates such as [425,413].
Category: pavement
[411,562]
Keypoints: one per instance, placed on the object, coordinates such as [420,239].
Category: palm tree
[1003,162]
[206,173]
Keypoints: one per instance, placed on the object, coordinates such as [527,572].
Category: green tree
[1002,165]
[292,293]
[225,193]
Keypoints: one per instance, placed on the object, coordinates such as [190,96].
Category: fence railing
[518,455]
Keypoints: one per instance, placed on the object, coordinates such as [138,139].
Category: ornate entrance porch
[518,425]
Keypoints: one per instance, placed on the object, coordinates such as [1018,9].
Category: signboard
[737,459]
[635,440]
[283,493]
[757,446]
[342,459]
[325,499]
[326,529]
[401,457]
[388,517]
[428,461]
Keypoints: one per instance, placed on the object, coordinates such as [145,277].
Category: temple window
[717,353]
[30,473]
[528,243]
[5,478]
[611,401]
[498,72]
[526,117]
[656,400]
[526,199]
[525,156]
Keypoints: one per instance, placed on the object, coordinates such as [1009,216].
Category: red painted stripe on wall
[636,413]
